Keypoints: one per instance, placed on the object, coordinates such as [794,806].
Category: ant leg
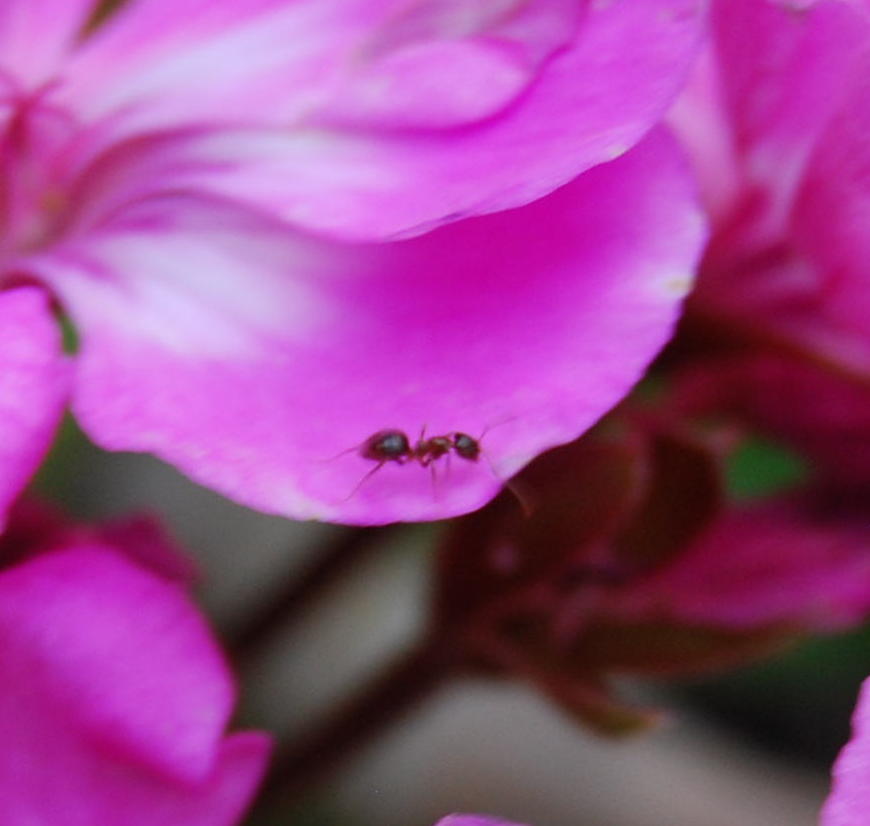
[435,492]
[419,451]
[362,481]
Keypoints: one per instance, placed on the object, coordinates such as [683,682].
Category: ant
[395,446]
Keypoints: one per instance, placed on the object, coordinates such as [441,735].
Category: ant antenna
[343,453]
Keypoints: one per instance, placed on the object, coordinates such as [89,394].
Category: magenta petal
[251,359]
[34,385]
[849,801]
[773,565]
[120,654]
[785,71]
[779,137]
[35,35]
[833,211]
[114,700]
[175,63]
[385,63]
[343,159]
[134,799]
[590,104]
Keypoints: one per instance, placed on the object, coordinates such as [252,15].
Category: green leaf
[760,468]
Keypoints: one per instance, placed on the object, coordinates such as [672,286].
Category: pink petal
[473,820]
[788,187]
[784,74]
[442,63]
[34,37]
[833,211]
[701,120]
[176,63]
[119,655]
[763,566]
[34,383]
[849,801]
[321,145]
[114,700]
[250,358]
[191,61]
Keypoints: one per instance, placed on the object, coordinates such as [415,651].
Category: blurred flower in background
[774,121]
[115,695]
[34,382]
[635,561]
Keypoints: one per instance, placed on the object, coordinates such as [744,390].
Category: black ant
[466,446]
[395,446]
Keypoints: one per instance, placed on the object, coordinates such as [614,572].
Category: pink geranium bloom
[777,119]
[151,169]
[115,698]
[366,118]
[849,801]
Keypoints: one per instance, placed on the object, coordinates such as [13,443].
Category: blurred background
[753,747]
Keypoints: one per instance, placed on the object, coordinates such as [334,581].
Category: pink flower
[34,383]
[151,168]
[777,119]
[115,697]
[849,801]
[366,118]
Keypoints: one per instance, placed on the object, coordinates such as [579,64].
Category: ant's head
[466,446]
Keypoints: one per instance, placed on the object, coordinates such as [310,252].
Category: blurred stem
[291,602]
[102,11]
[302,765]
